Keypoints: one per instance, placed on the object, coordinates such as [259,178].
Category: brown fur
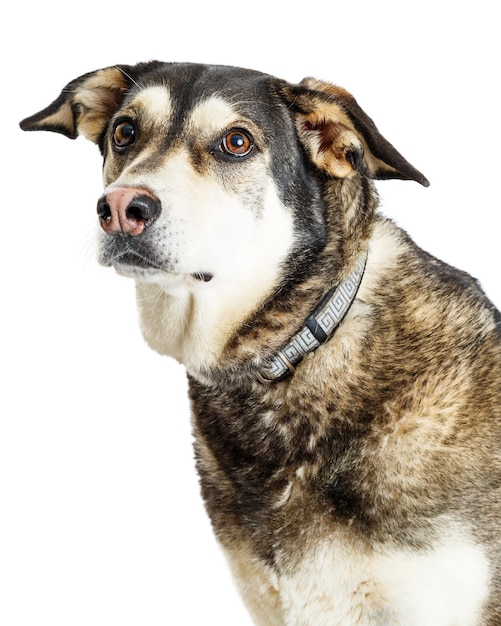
[385,440]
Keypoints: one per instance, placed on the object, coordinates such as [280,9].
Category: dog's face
[217,153]
[198,154]
[215,176]
[201,172]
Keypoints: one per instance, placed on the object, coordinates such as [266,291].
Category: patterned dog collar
[318,328]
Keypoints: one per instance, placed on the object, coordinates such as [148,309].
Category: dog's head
[196,157]
[216,174]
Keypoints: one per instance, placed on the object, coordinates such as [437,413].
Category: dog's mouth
[127,254]
[130,259]
[136,260]
[120,251]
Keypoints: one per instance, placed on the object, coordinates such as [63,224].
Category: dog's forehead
[203,97]
[158,103]
[154,101]
[211,114]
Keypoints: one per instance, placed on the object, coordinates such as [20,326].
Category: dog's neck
[234,331]
[186,327]
[318,327]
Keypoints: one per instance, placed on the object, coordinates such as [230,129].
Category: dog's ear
[85,105]
[340,138]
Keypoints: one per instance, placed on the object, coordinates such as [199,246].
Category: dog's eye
[237,143]
[124,134]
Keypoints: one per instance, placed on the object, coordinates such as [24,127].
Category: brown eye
[124,134]
[237,143]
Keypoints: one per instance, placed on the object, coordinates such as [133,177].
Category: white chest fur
[335,585]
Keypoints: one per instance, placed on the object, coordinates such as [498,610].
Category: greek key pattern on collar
[318,329]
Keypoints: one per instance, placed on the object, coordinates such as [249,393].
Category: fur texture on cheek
[243,253]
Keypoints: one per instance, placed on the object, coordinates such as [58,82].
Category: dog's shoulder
[408,389]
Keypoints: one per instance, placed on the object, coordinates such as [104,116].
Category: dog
[345,385]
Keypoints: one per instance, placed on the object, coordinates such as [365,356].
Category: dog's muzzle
[127,211]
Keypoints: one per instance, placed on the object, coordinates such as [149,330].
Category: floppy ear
[341,139]
[85,105]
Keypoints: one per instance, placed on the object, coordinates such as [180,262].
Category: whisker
[128,76]
[88,250]
[153,296]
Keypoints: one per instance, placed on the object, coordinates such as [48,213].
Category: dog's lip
[123,252]
[137,260]
[131,260]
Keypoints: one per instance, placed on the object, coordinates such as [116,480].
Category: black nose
[127,210]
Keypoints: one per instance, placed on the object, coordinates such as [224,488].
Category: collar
[318,328]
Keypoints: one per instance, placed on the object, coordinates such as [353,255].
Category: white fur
[338,584]
[156,100]
[209,230]
[203,228]
[211,116]
[442,588]
[239,236]
[190,320]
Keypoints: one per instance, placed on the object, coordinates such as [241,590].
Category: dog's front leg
[258,587]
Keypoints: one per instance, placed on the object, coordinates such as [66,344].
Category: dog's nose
[127,210]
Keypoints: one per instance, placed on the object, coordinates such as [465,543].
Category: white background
[101,522]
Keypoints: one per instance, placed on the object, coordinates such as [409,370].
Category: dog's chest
[335,582]
[291,508]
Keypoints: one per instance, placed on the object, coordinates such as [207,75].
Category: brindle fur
[385,439]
